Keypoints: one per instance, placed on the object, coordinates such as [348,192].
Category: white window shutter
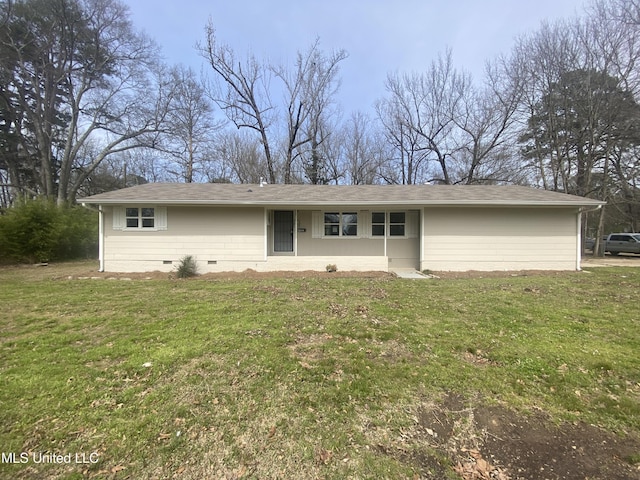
[118,218]
[317,224]
[161,218]
[413,223]
[364,223]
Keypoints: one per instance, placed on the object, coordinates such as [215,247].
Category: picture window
[341,224]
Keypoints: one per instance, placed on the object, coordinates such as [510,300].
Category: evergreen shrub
[187,267]
[40,231]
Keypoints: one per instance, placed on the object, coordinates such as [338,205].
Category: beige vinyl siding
[402,251]
[459,239]
[339,246]
[308,245]
[207,233]
[319,263]
[224,238]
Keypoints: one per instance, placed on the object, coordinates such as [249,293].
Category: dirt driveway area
[622,260]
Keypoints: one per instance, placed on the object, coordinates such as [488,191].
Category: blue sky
[380,36]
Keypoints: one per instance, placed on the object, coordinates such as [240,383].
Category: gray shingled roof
[321,195]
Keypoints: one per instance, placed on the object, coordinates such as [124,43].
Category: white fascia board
[372,204]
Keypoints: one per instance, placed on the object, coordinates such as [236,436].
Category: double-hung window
[396,224]
[341,224]
[143,217]
[378,224]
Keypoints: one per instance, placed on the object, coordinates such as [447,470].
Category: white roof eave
[414,203]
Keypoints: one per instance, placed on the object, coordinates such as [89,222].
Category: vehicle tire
[615,254]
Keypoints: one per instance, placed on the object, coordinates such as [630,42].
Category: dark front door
[283,231]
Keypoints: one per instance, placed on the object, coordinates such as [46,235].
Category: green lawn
[298,378]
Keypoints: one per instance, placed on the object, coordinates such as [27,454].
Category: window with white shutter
[141,218]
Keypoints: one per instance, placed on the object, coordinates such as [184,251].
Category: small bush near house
[187,267]
[40,231]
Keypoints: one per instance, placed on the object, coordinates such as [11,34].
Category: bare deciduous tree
[241,155]
[191,126]
[581,82]
[407,160]
[446,129]
[320,83]
[78,74]
[241,89]
[363,151]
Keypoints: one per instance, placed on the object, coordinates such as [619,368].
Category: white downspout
[421,238]
[386,232]
[579,242]
[579,234]
[100,239]
[266,235]
[295,233]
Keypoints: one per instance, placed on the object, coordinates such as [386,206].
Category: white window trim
[384,224]
[159,219]
[341,214]
[318,224]
[411,224]
[404,224]
[408,224]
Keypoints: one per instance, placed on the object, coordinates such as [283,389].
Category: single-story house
[231,227]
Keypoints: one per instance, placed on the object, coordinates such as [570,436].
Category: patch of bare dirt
[622,260]
[477,358]
[493,442]
[502,273]
[247,274]
[309,348]
[252,274]
[89,270]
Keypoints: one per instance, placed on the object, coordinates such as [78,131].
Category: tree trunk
[598,248]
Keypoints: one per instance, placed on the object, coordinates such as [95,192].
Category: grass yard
[320,377]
